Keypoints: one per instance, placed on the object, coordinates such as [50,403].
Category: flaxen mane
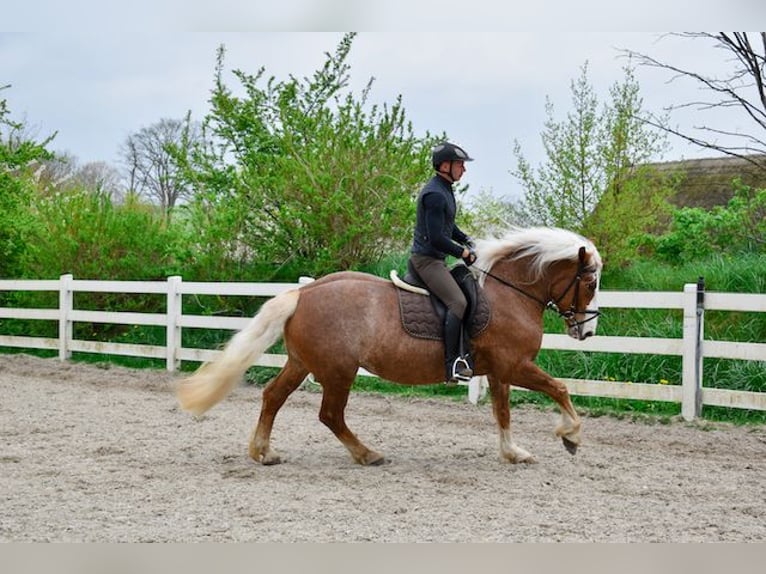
[545,245]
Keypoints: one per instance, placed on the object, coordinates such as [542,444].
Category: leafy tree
[563,191]
[634,197]
[488,215]
[302,175]
[627,212]
[597,152]
[20,159]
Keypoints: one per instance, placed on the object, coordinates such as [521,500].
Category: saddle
[423,314]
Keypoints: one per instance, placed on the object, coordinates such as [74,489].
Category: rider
[436,236]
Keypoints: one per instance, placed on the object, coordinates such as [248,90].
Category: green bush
[19,157]
[84,233]
[695,233]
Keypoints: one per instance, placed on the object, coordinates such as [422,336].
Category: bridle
[569,315]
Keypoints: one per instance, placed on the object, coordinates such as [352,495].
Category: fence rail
[692,346]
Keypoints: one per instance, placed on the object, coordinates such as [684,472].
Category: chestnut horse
[348,320]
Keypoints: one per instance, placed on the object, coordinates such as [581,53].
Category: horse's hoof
[372,458]
[266,458]
[519,458]
[569,445]
[271,460]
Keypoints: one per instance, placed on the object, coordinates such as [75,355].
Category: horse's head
[574,293]
[560,270]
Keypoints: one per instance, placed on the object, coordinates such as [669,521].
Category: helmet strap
[448,174]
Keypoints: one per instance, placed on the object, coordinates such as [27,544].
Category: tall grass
[726,274]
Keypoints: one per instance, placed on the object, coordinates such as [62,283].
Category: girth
[423,316]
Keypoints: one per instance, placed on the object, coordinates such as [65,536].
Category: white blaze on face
[587,320]
[590,326]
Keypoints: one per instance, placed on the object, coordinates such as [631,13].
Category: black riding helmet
[446,151]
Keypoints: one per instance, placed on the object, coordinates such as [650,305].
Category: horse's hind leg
[274,396]
[332,414]
[502,410]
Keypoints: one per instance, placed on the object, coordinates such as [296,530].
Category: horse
[346,320]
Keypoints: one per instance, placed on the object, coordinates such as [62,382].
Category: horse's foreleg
[274,396]
[332,414]
[502,410]
[532,377]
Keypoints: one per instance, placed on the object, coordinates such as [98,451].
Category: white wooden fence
[692,346]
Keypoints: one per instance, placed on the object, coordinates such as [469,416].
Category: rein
[553,304]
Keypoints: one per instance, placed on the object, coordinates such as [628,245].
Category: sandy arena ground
[99,454]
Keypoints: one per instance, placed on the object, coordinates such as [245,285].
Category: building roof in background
[707,182]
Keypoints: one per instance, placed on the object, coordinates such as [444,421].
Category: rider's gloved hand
[470,259]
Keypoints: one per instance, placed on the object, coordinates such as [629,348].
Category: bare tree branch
[742,88]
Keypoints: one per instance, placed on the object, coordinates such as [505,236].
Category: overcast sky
[95,85]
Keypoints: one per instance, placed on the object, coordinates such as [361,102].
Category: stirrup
[460,370]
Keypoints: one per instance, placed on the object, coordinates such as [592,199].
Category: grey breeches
[436,276]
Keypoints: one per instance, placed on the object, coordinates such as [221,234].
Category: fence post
[694,317]
[173,325]
[66,303]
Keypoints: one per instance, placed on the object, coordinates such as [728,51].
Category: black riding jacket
[435,229]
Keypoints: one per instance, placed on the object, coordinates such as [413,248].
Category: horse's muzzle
[579,332]
[582,328]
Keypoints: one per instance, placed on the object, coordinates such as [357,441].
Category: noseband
[553,304]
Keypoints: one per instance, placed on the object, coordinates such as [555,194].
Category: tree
[488,215]
[564,190]
[743,89]
[20,160]
[100,177]
[57,171]
[597,151]
[634,197]
[63,171]
[150,156]
[303,174]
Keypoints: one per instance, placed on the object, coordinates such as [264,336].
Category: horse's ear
[582,255]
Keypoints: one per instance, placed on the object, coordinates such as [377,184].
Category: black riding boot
[457,367]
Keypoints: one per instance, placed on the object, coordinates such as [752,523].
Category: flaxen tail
[214,380]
